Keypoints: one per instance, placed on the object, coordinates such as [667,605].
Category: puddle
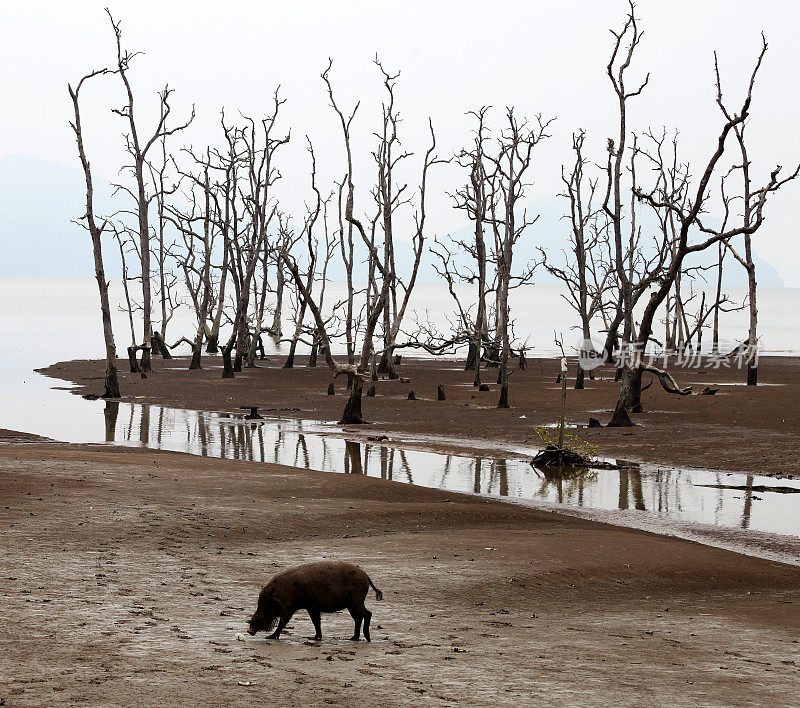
[710,497]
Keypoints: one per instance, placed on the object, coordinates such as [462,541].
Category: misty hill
[550,232]
[39,199]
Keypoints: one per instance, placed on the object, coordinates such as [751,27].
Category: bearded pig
[324,586]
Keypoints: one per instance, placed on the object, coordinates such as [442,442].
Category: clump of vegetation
[572,452]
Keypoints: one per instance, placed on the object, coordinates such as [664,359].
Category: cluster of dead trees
[637,223]
[205,229]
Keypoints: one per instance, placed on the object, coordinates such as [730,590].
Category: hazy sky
[541,57]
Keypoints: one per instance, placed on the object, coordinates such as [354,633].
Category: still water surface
[666,492]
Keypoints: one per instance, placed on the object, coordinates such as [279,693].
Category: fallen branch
[667,382]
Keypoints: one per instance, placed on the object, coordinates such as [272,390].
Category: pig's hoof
[355,638]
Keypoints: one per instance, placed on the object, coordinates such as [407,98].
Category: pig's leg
[367,618]
[314,615]
[355,613]
[283,622]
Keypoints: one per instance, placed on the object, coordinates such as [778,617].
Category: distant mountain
[550,232]
[39,200]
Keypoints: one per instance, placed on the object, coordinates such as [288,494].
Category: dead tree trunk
[138,151]
[689,214]
[352,410]
[95,232]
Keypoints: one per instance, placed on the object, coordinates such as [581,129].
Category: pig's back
[328,585]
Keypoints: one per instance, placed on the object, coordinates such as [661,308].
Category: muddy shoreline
[752,429]
[128,573]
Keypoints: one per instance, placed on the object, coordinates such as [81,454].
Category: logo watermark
[590,355]
[728,355]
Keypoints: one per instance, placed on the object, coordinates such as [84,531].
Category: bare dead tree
[489,197]
[127,245]
[749,204]
[224,210]
[248,210]
[346,232]
[276,329]
[96,232]
[166,279]
[375,302]
[389,197]
[507,179]
[618,65]
[327,252]
[473,199]
[695,321]
[587,272]
[688,212]
[312,243]
[138,149]
[199,229]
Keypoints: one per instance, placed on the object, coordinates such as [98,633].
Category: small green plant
[572,443]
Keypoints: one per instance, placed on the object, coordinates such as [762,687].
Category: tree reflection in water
[669,492]
[111,413]
[567,482]
[352,458]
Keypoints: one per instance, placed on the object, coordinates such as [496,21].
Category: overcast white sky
[538,56]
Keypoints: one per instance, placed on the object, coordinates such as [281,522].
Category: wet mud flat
[689,503]
[127,573]
[740,429]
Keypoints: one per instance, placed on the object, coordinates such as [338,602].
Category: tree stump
[352,410]
[411,396]
[553,456]
[621,418]
[440,393]
[371,390]
[331,389]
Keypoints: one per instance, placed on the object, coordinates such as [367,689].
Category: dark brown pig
[325,586]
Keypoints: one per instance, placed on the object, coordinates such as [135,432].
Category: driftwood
[753,488]
[160,346]
[553,456]
[667,382]
[182,340]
